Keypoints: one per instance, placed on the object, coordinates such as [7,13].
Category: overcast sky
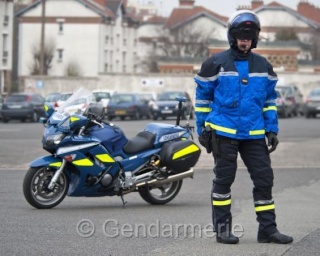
[224,7]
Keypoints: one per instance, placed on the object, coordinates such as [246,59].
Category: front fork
[56,176]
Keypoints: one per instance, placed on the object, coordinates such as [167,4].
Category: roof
[277,6]
[91,4]
[181,16]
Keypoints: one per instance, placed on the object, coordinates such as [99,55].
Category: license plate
[166,111]
[15,106]
[120,112]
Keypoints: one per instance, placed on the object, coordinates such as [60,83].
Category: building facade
[83,38]
[6,31]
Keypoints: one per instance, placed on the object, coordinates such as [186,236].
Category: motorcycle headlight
[55,139]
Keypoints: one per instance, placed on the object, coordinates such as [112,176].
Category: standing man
[235,109]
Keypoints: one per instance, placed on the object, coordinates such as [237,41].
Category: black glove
[272,141]
[205,140]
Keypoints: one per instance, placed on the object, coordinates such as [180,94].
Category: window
[60,55]
[60,27]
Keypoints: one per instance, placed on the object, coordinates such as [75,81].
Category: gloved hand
[205,140]
[272,141]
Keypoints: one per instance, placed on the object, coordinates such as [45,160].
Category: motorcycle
[92,158]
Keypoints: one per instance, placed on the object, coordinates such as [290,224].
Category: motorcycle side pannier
[179,156]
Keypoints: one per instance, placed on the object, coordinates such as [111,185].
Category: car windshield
[65,96]
[16,98]
[102,95]
[121,98]
[315,92]
[52,97]
[170,96]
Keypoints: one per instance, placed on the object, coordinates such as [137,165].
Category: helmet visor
[245,34]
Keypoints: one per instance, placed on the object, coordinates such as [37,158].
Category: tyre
[35,117]
[160,195]
[36,191]
[137,115]
[5,119]
[103,113]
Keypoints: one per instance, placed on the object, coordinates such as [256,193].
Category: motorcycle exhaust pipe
[176,177]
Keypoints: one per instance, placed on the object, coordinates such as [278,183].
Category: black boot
[227,238]
[276,237]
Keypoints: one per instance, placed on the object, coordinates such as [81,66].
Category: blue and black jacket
[236,96]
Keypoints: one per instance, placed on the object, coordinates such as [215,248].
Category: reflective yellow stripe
[264,208]
[221,203]
[257,132]
[83,162]
[199,109]
[45,107]
[221,128]
[56,164]
[105,158]
[73,118]
[270,108]
[188,150]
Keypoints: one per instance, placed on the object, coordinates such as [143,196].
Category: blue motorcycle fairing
[162,129]
[49,161]
[140,159]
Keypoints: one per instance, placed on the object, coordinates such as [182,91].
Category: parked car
[149,98]
[103,96]
[85,105]
[63,97]
[312,104]
[53,98]
[1,101]
[166,105]
[127,105]
[23,106]
[285,107]
[292,93]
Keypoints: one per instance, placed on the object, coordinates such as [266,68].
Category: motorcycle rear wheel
[160,195]
[35,188]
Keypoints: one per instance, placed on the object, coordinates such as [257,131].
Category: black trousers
[255,156]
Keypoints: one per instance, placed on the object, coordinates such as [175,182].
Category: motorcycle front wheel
[160,195]
[36,191]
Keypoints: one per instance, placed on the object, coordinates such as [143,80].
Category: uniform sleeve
[270,108]
[206,80]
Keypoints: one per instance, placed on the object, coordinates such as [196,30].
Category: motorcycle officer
[235,110]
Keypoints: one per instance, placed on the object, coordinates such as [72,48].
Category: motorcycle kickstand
[122,198]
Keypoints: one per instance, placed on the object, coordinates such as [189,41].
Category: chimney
[256,4]
[185,3]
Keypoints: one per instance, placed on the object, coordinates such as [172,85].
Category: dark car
[23,106]
[166,105]
[285,107]
[53,98]
[293,94]
[127,105]
[312,104]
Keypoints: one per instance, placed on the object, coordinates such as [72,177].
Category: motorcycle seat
[142,141]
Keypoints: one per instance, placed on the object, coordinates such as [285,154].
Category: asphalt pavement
[27,231]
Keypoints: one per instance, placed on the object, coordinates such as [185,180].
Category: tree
[286,34]
[49,49]
[315,44]
[185,42]
[73,69]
